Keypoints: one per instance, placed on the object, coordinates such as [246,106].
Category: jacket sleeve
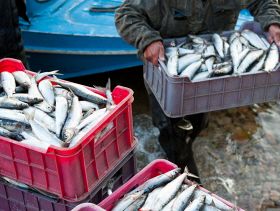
[267,12]
[134,21]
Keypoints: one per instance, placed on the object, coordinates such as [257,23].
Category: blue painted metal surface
[67,35]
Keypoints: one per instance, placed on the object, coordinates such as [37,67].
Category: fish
[40,75]
[12,103]
[72,121]
[83,92]
[127,201]
[196,204]
[44,135]
[183,199]
[22,78]
[61,111]
[259,65]
[219,44]
[86,106]
[14,125]
[94,117]
[158,181]
[13,135]
[233,36]
[150,199]
[169,205]
[187,60]
[33,89]
[191,69]
[59,91]
[27,98]
[209,64]
[44,106]
[31,140]
[225,70]
[253,39]
[168,192]
[172,64]
[15,183]
[201,76]
[41,117]
[47,91]
[8,82]
[235,50]
[249,59]
[272,58]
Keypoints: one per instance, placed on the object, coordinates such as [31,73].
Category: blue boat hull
[65,35]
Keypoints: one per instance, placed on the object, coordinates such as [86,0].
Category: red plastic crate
[155,168]
[13,198]
[72,173]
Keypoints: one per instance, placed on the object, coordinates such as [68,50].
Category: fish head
[67,134]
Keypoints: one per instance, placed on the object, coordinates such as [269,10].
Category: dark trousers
[176,142]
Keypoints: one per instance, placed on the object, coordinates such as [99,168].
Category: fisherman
[10,35]
[144,24]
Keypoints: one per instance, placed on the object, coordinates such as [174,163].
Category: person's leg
[176,136]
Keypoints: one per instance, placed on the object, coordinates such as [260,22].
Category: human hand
[274,34]
[154,52]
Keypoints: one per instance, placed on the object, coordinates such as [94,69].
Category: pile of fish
[202,58]
[171,191]
[38,113]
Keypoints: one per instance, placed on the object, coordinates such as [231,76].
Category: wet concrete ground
[238,155]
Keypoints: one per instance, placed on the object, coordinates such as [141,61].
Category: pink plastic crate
[72,173]
[155,168]
[88,207]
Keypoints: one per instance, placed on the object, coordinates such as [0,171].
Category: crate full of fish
[160,186]
[215,72]
[15,196]
[59,136]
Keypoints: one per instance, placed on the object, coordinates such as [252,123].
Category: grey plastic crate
[179,96]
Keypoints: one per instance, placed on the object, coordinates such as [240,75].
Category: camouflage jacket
[141,22]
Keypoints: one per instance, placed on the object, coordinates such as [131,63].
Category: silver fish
[95,117]
[209,51]
[254,39]
[197,39]
[47,91]
[127,201]
[168,192]
[209,64]
[22,78]
[83,92]
[266,43]
[272,58]
[249,59]
[157,181]
[191,69]
[171,51]
[21,89]
[137,203]
[27,98]
[86,105]
[12,103]
[235,50]
[219,44]
[172,64]
[11,116]
[8,83]
[207,207]
[233,36]
[14,125]
[61,111]
[151,199]
[41,117]
[72,121]
[13,135]
[210,200]
[196,204]
[225,70]
[259,65]
[242,56]
[39,76]
[44,106]
[44,135]
[33,89]
[184,51]
[59,91]
[169,205]
[183,199]
[32,140]
[226,48]
[187,60]
[201,76]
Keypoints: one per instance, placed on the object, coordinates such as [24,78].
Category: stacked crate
[73,175]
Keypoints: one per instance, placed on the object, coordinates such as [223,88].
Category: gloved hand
[274,34]
[154,51]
